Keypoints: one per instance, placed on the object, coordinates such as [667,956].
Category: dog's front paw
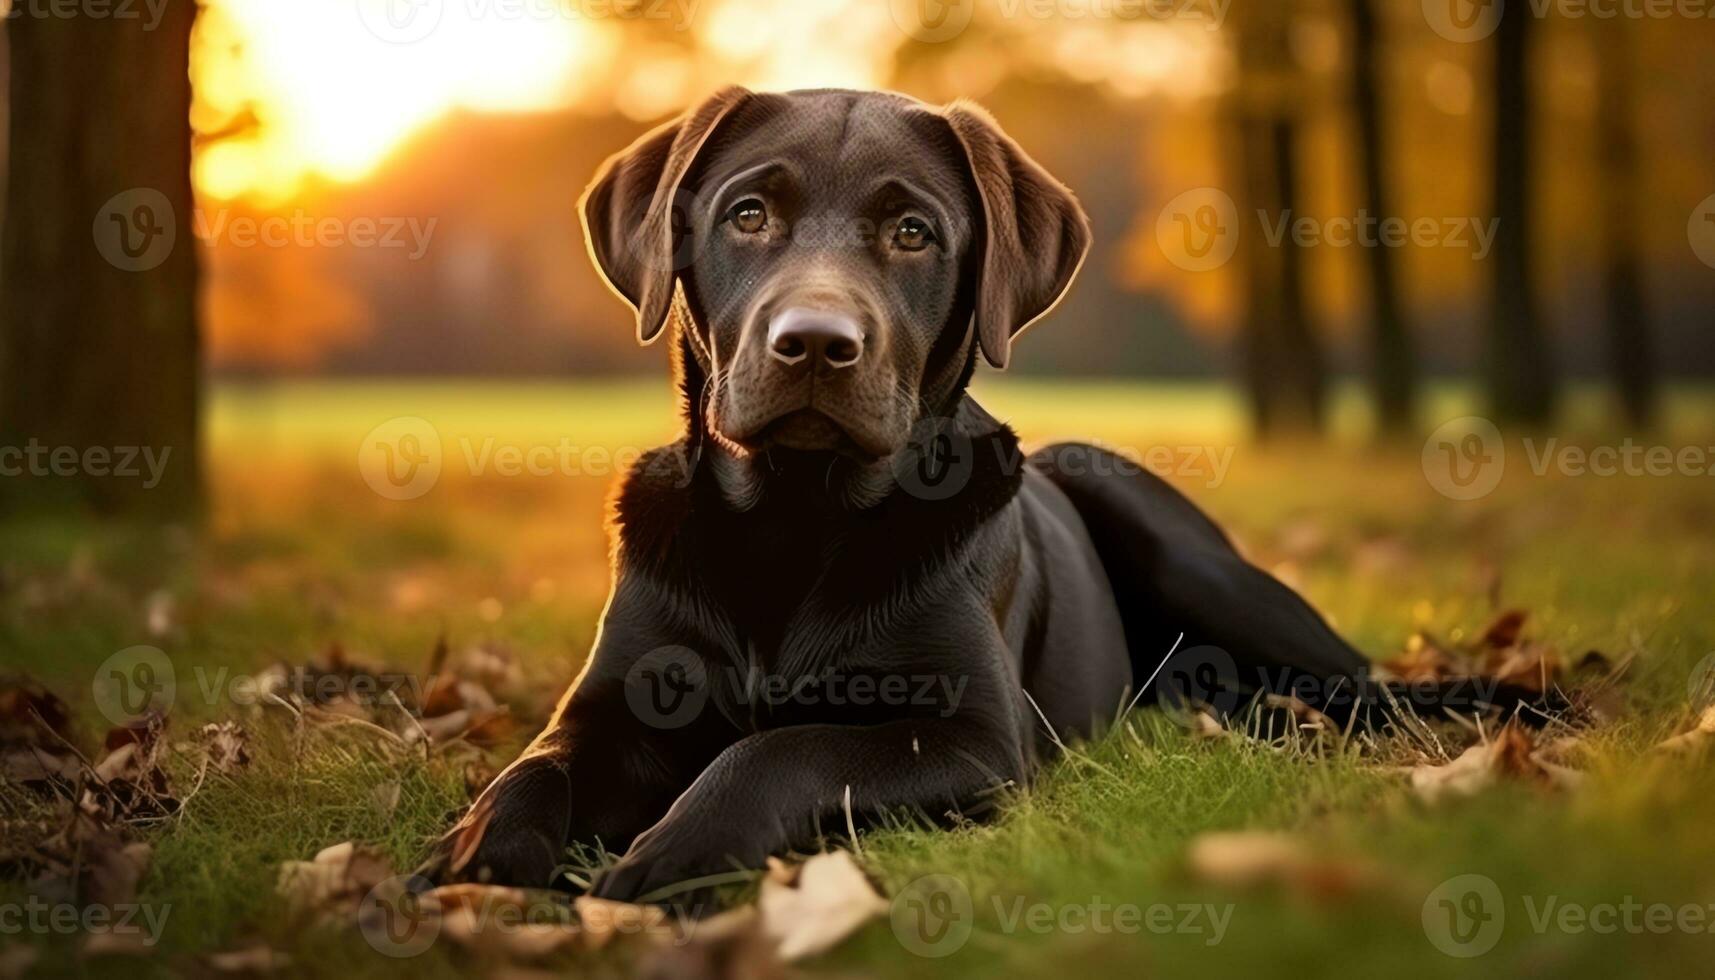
[515,833]
[681,869]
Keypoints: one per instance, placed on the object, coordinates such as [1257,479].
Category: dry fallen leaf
[332,883]
[831,901]
[254,958]
[1511,754]
[604,919]
[503,923]
[225,745]
[1254,859]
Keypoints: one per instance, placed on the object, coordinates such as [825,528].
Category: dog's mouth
[810,430]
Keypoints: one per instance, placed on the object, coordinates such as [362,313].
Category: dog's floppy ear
[1035,231]
[635,218]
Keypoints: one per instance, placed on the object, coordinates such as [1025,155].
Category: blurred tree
[1631,344]
[1284,372]
[1521,373]
[98,264]
[1392,369]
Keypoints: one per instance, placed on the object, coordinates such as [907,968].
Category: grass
[300,554]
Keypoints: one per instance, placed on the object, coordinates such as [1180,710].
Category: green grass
[299,554]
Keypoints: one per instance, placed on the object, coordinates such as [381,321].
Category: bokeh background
[312,270]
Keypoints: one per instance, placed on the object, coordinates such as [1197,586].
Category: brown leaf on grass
[831,900]
[225,745]
[35,750]
[498,922]
[257,957]
[1499,653]
[129,783]
[1264,859]
[1694,740]
[1503,631]
[1511,755]
[604,919]
[728,946]
[332,884]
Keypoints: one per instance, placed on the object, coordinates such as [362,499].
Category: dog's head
[842,256]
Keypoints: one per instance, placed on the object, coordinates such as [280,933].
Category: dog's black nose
[798,333]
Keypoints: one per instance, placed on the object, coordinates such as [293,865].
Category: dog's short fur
[878,602]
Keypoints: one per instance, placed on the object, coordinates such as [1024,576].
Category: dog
[845,592]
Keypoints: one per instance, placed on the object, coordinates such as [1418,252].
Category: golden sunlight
[329,88]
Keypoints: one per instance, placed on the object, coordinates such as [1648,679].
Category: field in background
[302,555]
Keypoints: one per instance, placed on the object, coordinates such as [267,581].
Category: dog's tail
[1205,626]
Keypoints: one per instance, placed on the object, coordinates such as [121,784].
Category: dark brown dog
[844,592]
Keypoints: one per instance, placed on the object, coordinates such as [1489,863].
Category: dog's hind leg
[1173,571]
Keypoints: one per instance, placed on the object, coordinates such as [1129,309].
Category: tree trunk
[1393,370]
[1283,364]
[1630,342]
[1521,376]
[99,351]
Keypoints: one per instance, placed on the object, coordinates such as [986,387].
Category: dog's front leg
[779,789]
[598,774]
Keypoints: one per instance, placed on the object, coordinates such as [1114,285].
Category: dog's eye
[748,216]
[913,234]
